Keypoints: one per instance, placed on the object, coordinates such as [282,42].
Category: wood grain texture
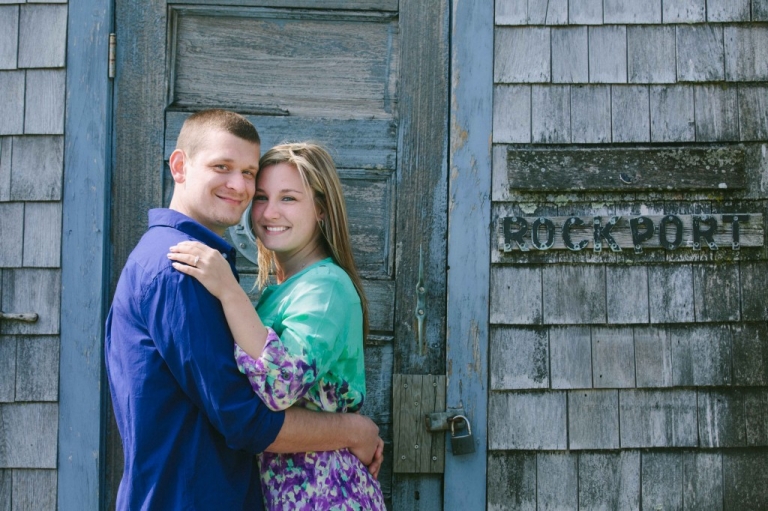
[44,102]
[756,416]
[527,420]
[620,279]
[752,276]
[716,113]
[722,420]
[34,489]
[753,112]
[28,435]
[683,11]
[608,54]
[12,103]
[512,114]
[521,55]
[759,10]
[593,419]
[422,170]
[6,151]
[378,382]
[531,12]
[512,481]
[42,35]
[651,54]
[670,294]
[519,358]
[650,169]
[7,368]
[609,480]
[672,113]
[516,295]
[744,476]
[550,114]
[6,489]
[11,228]
[557,481]
[9,36]
[700,53]
[37,373]
[42,234]
[744,47]
[630,114]
[750,354]
[574,294]
[585,12]
[353,143]
[653,357]
[590,114]
[416,450]
[658,418]
[716,294]
[570,357]
[348,60]
[87,164]
[701,355]
[363,5]
[380,295]
[570,55]
[613,357]
[703,481]
[727,10]
[469,187]
[632,11]
[32,290]
[662,480]
[37,166]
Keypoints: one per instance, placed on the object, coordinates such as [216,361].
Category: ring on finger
[197,258]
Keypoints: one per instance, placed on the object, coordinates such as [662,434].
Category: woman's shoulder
[329,274]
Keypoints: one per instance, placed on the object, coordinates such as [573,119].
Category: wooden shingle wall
[32,95]
[623,380]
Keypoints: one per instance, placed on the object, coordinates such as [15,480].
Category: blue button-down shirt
[189,421]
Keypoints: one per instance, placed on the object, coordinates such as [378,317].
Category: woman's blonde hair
[318,172]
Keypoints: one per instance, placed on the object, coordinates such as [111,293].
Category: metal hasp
[442,421]
[421,306]
[28,317]
[416,450]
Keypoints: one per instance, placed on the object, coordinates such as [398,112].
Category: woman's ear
[176,162]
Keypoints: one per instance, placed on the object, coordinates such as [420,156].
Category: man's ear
[176,162]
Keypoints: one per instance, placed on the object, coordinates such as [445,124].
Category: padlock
[463,443]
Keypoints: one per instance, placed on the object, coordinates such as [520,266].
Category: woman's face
[284,215]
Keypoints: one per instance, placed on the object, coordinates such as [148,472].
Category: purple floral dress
[313,358]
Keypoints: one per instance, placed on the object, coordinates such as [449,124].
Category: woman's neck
[290,266]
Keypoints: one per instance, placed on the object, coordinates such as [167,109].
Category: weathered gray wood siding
[32,93]
[624,380]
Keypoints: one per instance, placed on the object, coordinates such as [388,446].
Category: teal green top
[316,358]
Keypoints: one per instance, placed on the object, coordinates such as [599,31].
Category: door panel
[332,76]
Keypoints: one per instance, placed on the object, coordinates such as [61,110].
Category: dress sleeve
[308,345]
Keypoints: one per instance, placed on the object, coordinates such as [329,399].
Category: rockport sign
[615,233]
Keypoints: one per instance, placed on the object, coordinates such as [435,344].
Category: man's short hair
[195,129]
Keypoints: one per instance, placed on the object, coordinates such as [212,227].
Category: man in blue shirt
[189,421]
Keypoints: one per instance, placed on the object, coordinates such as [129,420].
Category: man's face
[217,182]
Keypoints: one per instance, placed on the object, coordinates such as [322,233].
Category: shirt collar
[162,217]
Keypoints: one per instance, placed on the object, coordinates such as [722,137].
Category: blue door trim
[85,238]
[469,223]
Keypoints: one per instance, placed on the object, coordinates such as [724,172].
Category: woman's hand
[206,265]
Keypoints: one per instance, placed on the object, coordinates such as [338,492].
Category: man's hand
[378,459]
[365,440]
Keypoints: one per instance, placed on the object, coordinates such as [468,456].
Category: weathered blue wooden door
[368,78]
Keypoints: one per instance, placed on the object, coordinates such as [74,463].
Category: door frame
[469,232]
[84,262]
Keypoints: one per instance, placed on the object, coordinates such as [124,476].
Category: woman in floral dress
[305,345]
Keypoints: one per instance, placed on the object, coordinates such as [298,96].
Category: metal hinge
[112,51]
